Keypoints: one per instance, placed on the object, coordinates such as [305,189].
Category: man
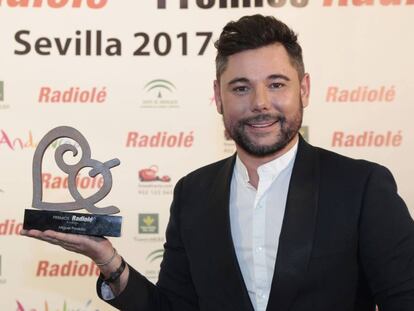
[281,225]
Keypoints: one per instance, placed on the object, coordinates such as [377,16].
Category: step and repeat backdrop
[135,78]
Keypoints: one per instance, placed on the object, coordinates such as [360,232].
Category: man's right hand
[99,249]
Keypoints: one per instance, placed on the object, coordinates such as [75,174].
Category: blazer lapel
[296,238]
[234,289]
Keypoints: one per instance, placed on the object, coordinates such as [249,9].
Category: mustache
[264,117]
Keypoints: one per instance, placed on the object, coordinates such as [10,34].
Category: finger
[74,238]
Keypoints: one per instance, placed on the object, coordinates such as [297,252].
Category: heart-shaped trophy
[54,216]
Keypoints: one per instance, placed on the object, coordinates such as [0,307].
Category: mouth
[260,125]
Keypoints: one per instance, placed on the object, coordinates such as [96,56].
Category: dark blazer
[347,243]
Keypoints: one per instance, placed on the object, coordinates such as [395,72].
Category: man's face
[261,99]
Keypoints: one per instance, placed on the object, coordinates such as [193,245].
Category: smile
[262,125]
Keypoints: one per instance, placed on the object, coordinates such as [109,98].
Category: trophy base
[77,223]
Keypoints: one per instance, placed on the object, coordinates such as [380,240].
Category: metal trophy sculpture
[53,216]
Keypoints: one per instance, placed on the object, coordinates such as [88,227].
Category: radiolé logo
[362,3]
[55,4]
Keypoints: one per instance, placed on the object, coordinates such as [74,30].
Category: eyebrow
[271,77]
[279,76]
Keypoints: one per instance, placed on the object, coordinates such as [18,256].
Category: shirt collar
[269,170]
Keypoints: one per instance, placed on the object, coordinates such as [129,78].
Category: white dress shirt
[256,217]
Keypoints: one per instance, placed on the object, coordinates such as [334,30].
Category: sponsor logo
[224,4]
[367,2]
[65,307]
[154,258]
[148,228]
[10,227]
[150,174]
[160,94]
[55,4]
[367,139]
[50,181]
[335,94]
[69,269]
[148,223]
[72,95]
[155,255]
[11,142]
[304,131]
[159,140]
[151,183]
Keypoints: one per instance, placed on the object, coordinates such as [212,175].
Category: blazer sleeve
[386,244]
[174,290]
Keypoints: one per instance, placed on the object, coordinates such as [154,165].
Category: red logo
[160,140]
[56,4]
[367,139]
[72,95]
[361,94]
[150,174]
[72,268]
[10,227]
[366,3]
[82,182]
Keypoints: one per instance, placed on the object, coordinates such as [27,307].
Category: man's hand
[99,249]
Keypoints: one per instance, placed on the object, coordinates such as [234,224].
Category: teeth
[262,125]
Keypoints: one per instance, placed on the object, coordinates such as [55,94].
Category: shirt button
[261,295]
[259,249]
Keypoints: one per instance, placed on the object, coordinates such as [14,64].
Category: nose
[260,100]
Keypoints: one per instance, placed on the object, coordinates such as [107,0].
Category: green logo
[304,131]
[159,86]
[1,90]
[148,223]
[160,93]
[157,254]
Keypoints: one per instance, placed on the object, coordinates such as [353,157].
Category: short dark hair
[255,31]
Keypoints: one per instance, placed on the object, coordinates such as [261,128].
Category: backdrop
[135,77]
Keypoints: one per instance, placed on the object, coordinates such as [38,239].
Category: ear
[305,90]
[217,97]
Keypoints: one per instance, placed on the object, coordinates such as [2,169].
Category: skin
[261,98]
[260,94]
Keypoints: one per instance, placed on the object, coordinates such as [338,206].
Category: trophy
[55,216]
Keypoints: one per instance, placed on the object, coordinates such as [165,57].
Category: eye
[276,85]
[240,89]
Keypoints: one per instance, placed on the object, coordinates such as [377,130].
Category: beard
[288,130]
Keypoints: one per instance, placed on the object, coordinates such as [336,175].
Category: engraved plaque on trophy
[56,216]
